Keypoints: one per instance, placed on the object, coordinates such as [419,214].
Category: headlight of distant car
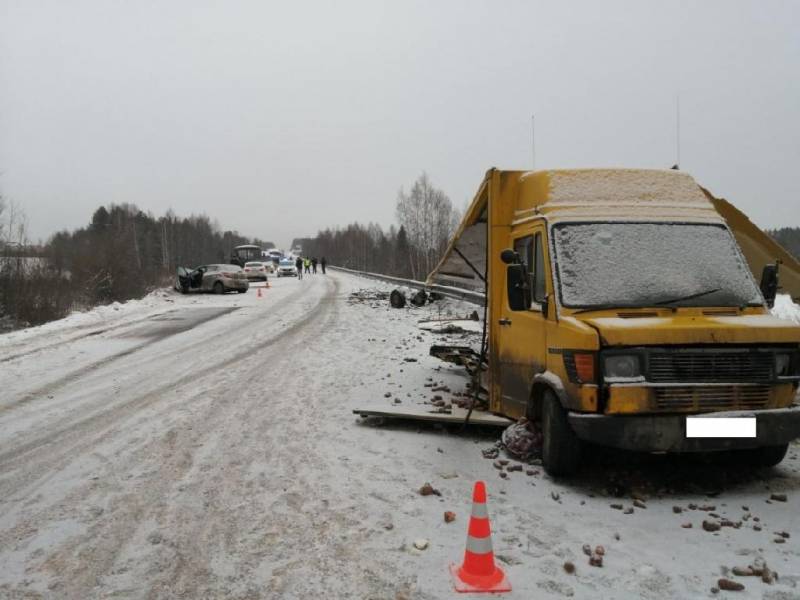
[622,366]
[787,364]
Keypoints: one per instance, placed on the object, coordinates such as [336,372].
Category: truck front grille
[709,366]
[711,398]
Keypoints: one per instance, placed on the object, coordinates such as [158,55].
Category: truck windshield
[621,265]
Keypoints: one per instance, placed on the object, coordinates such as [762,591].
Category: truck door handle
[504,321]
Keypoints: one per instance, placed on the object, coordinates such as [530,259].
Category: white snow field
[204,447]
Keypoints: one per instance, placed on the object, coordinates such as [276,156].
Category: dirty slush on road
[174,471]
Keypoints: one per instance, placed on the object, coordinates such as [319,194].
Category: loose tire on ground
[561,448]
[397,299]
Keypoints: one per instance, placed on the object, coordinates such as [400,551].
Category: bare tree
[429,219]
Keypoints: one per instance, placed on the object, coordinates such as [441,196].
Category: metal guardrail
[445,290]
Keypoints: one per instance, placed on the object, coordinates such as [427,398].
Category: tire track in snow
[188,537]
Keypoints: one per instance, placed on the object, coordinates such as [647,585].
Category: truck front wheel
[561,448]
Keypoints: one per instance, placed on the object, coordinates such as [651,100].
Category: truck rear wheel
[561,448]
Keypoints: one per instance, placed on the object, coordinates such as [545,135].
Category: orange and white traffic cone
[259,293]
[479,573]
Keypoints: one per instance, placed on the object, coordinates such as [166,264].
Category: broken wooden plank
[424,413]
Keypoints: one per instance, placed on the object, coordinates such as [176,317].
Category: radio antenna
[678,131]
[533,143]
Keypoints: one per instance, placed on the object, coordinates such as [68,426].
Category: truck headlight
[622,366]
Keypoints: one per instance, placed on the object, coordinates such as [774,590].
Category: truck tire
[219,288]
[561,448]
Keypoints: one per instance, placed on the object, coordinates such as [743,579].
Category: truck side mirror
[769,283]
[509,257]
[518,292]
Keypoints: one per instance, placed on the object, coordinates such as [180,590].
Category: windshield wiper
[689,297]
[601,307]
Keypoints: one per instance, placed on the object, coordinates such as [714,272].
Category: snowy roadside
[647,512]
[102,318]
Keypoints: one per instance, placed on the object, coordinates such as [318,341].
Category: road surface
[204,447]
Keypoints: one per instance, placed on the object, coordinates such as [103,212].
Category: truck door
[522,347]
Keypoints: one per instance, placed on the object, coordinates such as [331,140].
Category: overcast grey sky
[279,119]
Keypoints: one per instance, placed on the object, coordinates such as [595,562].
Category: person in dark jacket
[299,266]
[314,265]
[323,262]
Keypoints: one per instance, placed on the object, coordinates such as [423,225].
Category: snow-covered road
[204,447]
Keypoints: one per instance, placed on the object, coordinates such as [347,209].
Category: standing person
[314,265]
[323,262]
[298,264]
[307,264]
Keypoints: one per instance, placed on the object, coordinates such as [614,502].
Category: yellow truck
[620,308]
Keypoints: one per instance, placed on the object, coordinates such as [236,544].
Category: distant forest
[789,238]
[122,253]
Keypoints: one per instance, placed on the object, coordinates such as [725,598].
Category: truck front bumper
[667,433]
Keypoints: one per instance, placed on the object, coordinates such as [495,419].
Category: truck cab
[619,305]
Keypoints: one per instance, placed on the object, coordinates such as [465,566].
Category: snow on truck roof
[577,194]
[620,193]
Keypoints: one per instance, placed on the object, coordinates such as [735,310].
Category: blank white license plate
[720,427]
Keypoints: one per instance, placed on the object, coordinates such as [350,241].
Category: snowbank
[97,316]
[786,309]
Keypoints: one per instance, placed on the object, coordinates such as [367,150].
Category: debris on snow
[427,490]
[523,439]
[368,296]
[711,526]
[421,544]
[419,298]
[778,497]
[155,538]
[449,516]
[491,453]
[729,585]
